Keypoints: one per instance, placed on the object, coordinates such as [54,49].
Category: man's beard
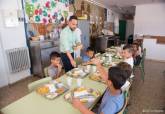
[72,29]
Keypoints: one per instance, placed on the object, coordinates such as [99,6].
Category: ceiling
[124,3]
[125,6]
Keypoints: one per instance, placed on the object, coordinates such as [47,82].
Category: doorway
[122,29]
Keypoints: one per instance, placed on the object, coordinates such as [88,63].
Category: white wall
[114,17]
[3,74]
[110,15]
[150,20]
[154,51]
[10,38]
[116,22]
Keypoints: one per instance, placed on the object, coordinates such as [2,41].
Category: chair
[32,86]
[123,110]
[126,102]
[141,65]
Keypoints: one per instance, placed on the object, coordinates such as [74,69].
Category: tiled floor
[146,98]
[15,91]
[149,97]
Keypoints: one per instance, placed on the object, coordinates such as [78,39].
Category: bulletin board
[46,11]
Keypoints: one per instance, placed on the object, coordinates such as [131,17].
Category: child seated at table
[139,43]
[88,56]
[113,99]
[55,67]
[136,54]
[126,67]
[127,54]
[128,70]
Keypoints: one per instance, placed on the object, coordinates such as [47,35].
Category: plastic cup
[110,58]
[79,82]
[69,81]
[94,69]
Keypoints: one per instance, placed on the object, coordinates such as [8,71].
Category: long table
[34,103]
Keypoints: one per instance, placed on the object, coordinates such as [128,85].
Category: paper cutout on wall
[10,18]
[44,11]
[29,9]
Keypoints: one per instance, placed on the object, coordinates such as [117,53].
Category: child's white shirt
[129,61]
[126,86]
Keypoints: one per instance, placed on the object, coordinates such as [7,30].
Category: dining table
[34,103]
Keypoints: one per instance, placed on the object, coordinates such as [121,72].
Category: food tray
[96,77]
[116,57]
[77,73]
[52,90]
[86,95]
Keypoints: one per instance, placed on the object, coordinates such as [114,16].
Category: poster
[46,11]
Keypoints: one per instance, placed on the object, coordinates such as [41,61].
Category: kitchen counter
[104,41]
[39,53]
[45,44]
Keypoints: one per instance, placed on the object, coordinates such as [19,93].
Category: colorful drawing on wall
[45,11]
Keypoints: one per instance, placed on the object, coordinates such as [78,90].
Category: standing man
[68,40]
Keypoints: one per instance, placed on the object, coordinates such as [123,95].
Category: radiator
[18,59]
